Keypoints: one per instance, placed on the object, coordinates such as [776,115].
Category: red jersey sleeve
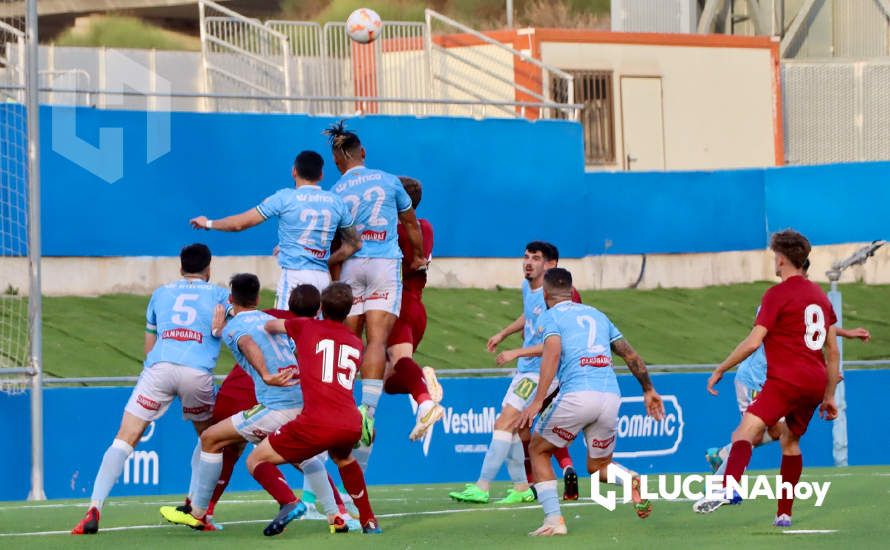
[769,309]
[295,326]
[279,313]
[576,296]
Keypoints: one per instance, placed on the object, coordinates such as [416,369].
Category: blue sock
[501,441]
[196,456]
[362,455]
[316,477]
[209,469]
[111,469]
[516,462]
[371,390]
[547,497]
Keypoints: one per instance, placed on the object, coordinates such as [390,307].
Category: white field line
[250,521]
[809,531]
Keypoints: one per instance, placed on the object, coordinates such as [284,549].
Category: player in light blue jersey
[378,202]
[578,344]
[181,352]
[308,218]
[270,362]
[506,443]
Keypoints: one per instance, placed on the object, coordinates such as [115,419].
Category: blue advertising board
[81,422]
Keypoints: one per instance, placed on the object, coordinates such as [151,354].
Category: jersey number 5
[185,314]
[814,319]
[345,363]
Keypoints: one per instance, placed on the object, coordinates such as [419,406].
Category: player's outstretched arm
[654,404]
[350,243]
[511,354]
[254,356]
[858,332]
[828,408]
[415,237]
[551,350]
[741,352]
[238,222]
[512,328]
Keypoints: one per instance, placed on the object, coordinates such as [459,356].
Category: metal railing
[451,373]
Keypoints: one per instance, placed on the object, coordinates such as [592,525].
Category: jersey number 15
[345,363]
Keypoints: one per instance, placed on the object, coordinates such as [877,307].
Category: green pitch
[415,516]
[103,336]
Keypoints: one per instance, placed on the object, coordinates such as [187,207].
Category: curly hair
[343,141]
[792,245]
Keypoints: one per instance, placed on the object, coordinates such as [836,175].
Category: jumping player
[403,374]
[506,443]
[378,201]
[329,356]
[795,324]
[577,341]
[181,352]
[269,360]
[308,218]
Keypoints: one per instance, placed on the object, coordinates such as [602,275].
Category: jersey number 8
[345,363]
[814,319]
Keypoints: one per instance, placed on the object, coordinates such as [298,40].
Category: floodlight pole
[839,426]
[35,355]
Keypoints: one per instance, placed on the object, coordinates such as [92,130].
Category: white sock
[111,468]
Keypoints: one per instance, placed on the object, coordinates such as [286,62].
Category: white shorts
[292,278]
[594,412]
[744,396]
[161,382]
[376,284]
[522,390]
[255,424]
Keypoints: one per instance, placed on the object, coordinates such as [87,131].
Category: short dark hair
[792,245]
[194,258]
[336,302]
[245,289]
[547,250]
[343,141]
[413,188]
[558,279]
[309,165]
[304,301]
[806,264]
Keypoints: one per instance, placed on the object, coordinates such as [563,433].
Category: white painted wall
[94,276]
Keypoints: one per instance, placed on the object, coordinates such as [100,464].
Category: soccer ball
[364,25]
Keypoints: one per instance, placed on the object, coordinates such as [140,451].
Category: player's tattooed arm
[350,243]
[634,362]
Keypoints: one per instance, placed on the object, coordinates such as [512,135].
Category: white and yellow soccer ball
[364,25]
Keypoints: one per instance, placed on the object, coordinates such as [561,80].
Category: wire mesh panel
[307,62]
[243,57]
[14,274]
[876,110]
[353,70]
[820,112]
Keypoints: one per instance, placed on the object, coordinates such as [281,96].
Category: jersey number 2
[814,319]
[345,363]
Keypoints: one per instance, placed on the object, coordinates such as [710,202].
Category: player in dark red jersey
[330,421]
[796,326]
[404,375]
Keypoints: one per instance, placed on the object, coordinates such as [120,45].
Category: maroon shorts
[236,394]
[780,399]
[302,438]
[411,324]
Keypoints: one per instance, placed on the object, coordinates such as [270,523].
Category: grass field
[103,336]
[415,516]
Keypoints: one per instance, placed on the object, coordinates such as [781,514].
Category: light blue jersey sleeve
[273,205]
[345,215]
[533,307]
[151,318]
[403,200]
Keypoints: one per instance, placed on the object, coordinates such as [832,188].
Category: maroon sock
[739,457]
[562,456]
[231,454]
[407,377]
[792,466]
[528,463]
[337,498]
[272,480]
[354,481]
